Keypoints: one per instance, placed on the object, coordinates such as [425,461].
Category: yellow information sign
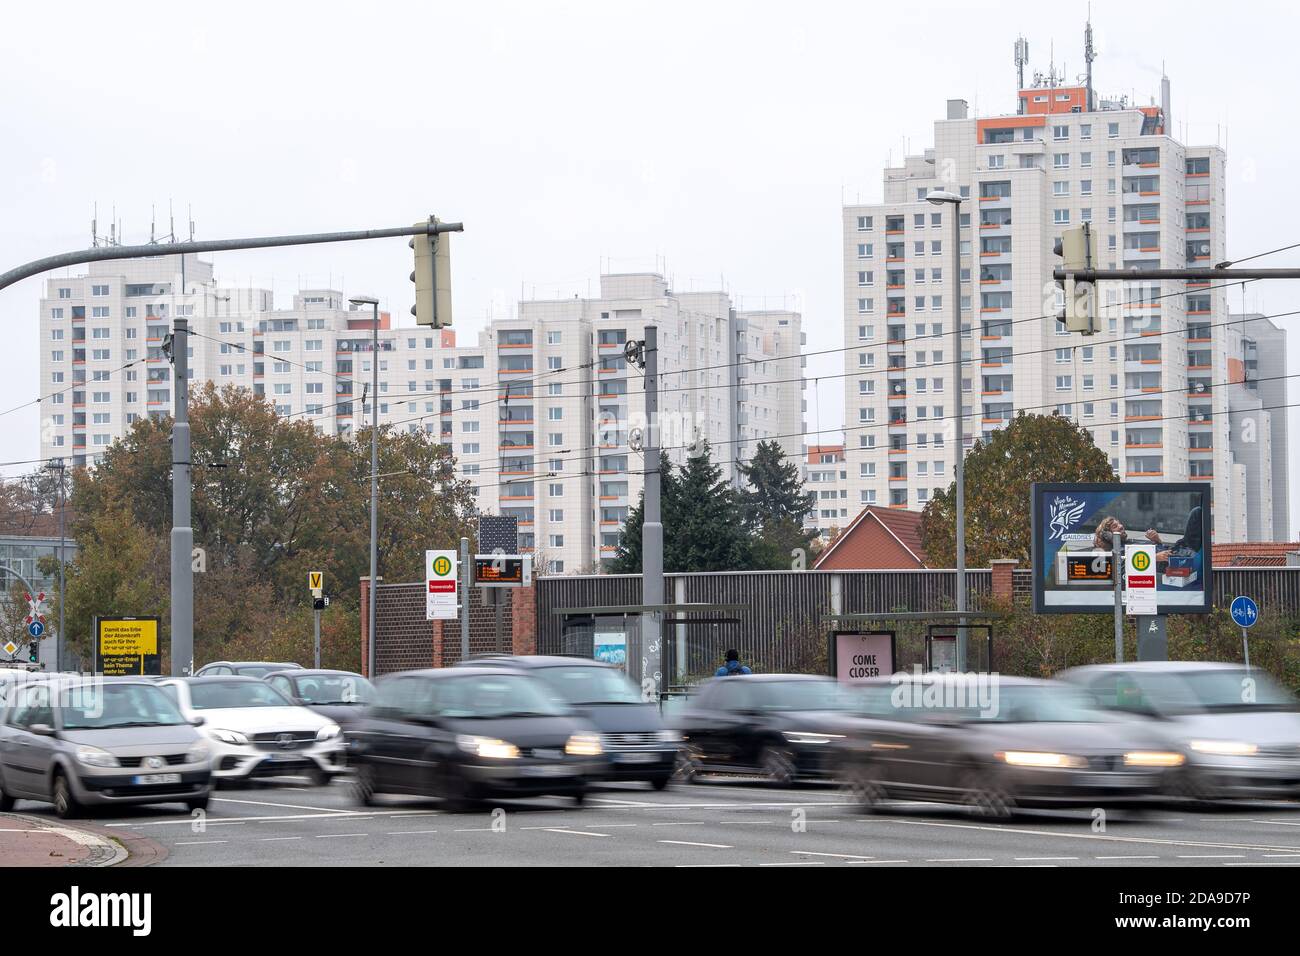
[315,581]
[126,646]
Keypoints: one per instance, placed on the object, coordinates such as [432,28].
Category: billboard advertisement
[857,656]
[127,646]
[1072,544]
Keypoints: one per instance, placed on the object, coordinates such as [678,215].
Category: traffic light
[33,653]
[1078,250]
[432,278]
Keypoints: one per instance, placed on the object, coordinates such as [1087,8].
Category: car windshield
[1035,704]
[783,695]
[587,684]
[216,695]
[489,696]
[1218,690]
[104,706]
[334,689]
[258,670]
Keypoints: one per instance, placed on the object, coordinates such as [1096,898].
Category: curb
[101,849]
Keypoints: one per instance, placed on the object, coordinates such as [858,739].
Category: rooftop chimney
[957,109]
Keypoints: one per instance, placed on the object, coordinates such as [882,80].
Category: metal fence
[782,627]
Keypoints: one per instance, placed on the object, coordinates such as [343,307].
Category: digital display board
[503,570]
[1072,544]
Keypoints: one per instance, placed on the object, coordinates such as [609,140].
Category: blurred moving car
[243,668]
[632,733]
[1028,743]
[785,727]
[466,734]
[255,731]
[1240,729]
[339,695]
[80,742]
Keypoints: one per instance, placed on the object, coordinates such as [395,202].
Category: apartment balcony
[1141,254]
[1201,450]
[1139,225]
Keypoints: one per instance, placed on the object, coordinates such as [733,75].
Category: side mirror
[198,721]
[43,730]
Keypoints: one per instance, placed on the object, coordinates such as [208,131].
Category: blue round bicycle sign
[1244,611]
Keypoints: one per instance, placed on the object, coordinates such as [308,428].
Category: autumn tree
[999,471]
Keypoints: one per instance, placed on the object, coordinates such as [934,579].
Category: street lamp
[374,473]
[942,197]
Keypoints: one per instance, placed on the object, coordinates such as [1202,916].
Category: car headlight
[584,745]
[1153,758]
[228,736]
[670,737]
[328,732]
[94,757]
[1035,758]
[800,737]
[198,753]
[487,747]
[1225,748]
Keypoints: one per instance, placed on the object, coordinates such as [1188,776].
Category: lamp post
[953,202]
[374,474]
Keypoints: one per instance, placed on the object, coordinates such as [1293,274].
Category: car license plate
[647,757]
[153,779]
[548,770]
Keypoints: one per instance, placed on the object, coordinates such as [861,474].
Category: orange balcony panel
[1149,222]
[514,345]
[992,253]
[1198,202]
[515,371]
[517,498]
[1149,249]
[1202,449]
[1201,340]
[1197,175]
[1149,192]
[1141,418]
[895,259]
[998,392]
[1147,335]
[1199,229]
[1201,477]
[1198,311]
[1143,474]
[990,281]
[898,451]
[1154,361]
[1144,445]
[893,232]
[1199,368]
[898,477]
[902,506]
[610,345]
[990,364]
[896,285]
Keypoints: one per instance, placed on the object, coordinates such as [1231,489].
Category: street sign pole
[316,615]
[1117,543]
[467,570]
[1245,612]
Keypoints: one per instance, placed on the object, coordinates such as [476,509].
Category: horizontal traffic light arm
[108,253]
[1213,275]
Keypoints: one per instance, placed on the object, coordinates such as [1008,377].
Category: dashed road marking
[713,846]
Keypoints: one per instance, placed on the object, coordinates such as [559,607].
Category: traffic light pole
[182,534]
[652,529]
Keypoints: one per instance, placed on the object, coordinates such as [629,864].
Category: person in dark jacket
[732,666]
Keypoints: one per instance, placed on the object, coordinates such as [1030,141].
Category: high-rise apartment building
[538,412]
[1159,382]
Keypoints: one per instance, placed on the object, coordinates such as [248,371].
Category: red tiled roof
[1253,554]
[878,538]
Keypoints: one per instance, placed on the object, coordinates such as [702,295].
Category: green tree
[999,471]
[774,505]
[704,527]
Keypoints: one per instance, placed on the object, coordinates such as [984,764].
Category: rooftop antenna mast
[1089,54]
[1022,60]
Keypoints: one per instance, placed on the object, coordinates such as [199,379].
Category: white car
[256,731]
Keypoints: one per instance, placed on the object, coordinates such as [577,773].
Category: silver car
[1240,729]
[94,741]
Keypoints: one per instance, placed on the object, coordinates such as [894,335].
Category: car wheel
[984,796]
[65,803]
[319,777]
[579,797]
[363,785]
[454,790]
[6,801]
[777,766]
[198,803]
[863,786]
[659,783]
[1190,784]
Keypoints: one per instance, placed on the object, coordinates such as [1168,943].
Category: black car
[471,734]
[785,727]
[640,746]
[341,696]
[243,668]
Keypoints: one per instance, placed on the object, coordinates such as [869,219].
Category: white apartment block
[1157,382]
[537,413]
[825,475]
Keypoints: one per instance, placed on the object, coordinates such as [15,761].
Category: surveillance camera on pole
[432,278]
[1078,251]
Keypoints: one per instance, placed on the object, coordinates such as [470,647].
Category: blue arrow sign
[36,629]
[1244,611]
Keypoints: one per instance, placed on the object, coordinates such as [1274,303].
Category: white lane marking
[338,836]
[878,861]
[473,830]
[405,832]
[573,832]
[1257,863]
[1039,859]
[1126,857]
[797,863]
[842,856]
[276,839]
[680,823]
[1078,836]
[287,806]
[714,846]
[689,866]
[237,821]
[1280,856]
[1210,856]
[198,842]
[961,859]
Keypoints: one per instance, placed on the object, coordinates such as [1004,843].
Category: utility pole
[652,530]
[316,642]
[1116,572]
[374,470]
[467,582]
[57,465]
[182,536]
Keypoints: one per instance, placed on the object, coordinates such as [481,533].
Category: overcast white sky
[721,137]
